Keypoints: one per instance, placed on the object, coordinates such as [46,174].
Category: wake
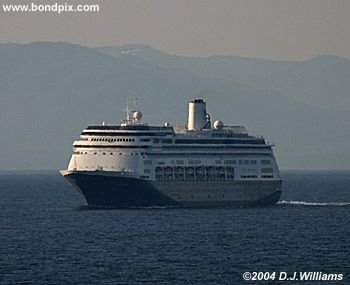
[304,203]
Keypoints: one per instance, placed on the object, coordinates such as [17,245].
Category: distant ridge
[321,81]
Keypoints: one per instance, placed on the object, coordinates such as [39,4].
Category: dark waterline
[49,237]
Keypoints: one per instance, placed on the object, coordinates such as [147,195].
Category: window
[210,173]
[147,162]
[266,176]
[266,170]
[159,173]
[189,174]
[179,174]
[168,174]
[249,176]
[220,173]
[200,173]
[230,173]
[265,161]
[253,162]
[147,170]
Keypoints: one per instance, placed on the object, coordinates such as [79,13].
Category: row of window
[190,162]
[211,196]
[226,162]
[216,141]
[215,147]
[249,176]
[203,173]
[194,161]
[111,153]
[240,162]
[266,170]
[209,141]
[112,140]
[228,135]
[266,176]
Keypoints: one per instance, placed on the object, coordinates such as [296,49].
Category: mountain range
[51,91]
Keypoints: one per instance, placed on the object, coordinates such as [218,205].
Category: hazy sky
[276,29]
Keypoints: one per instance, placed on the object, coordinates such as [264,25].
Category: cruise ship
[201,165]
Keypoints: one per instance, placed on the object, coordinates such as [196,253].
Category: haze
[270,29]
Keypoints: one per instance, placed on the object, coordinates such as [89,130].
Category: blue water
[47,236]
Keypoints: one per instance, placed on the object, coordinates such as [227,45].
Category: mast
[132,115]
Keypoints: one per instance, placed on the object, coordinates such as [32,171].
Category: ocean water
[48,236]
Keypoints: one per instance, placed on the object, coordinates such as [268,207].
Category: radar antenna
[132,115]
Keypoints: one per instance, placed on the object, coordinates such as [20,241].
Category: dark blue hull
[118,192]
[113,191]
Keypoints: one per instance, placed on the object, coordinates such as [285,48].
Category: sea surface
[49,236]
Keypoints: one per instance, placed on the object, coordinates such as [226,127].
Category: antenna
[132,115]
[136,103]
[127,110]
